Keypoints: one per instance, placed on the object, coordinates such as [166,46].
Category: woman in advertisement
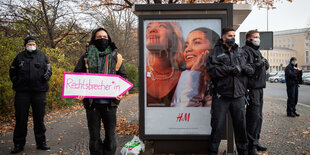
[164,43]
[193,86]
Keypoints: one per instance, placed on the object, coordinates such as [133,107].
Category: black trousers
[106,114]
[23,101]
[219,109]
[254,116]
[292,98]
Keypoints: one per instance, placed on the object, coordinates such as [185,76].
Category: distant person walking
[293,78]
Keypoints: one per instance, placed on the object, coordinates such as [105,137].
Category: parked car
[283,79]
[306,80]
[277,78]
[273,73]
[304,76]
[306,71]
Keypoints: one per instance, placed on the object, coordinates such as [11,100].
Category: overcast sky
[286,16]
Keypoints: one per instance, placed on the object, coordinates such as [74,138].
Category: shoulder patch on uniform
[223,54]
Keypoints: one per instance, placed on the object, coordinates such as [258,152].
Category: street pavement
[67,130]
[278,90]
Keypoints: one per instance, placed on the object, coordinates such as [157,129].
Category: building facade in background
[287,44]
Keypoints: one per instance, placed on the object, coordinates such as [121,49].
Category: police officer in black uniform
[254,111]
[227,65]
[30,73]
[293,77]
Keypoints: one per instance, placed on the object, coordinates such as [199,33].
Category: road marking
[302,104]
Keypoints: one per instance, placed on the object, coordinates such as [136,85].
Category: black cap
[292,59]
[29,39]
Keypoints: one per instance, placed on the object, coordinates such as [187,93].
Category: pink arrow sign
[92,85]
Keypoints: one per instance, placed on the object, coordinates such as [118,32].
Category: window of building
[283,46]
[293,46]
[288,46]
[288,40]
[307,57]
[307,45]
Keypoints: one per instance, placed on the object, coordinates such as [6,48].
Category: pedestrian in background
[254,111]
[101,57]
[229,70]
[293,77]
[30,73]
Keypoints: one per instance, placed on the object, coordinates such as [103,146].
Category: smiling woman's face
[157,36]
[195,45]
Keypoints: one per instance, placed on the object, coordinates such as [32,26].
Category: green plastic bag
[133,147]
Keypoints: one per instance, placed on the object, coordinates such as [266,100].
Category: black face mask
[230,42]
[101,44]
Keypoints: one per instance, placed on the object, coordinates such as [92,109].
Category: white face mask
[31,48]
[256,41]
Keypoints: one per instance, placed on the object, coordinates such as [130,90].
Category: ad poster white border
[178,120]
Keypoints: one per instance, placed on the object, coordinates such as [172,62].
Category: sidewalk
[67,130]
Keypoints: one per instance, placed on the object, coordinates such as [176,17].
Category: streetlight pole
[267,8]
[267,31]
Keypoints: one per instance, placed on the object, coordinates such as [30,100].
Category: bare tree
[123,4]
[50,20]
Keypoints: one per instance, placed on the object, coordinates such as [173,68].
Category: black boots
[43,146]
[261,148]
[296,114]
[291,115]
[253,151]
[17,148]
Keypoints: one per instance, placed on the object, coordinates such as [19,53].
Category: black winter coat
[218,63]
[27,70]
[80,67]
[292,76]
[258,79]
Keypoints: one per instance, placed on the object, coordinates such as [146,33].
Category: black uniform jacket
[218,63]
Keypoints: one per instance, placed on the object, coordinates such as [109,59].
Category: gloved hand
[259,64]
[48,73]
[265,61]
[235,70]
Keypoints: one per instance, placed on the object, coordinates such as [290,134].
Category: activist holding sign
[30,72]
[100,57]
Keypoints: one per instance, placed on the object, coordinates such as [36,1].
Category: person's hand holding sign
[119,97]
[80,98]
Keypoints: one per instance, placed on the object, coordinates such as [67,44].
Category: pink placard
[93,85]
